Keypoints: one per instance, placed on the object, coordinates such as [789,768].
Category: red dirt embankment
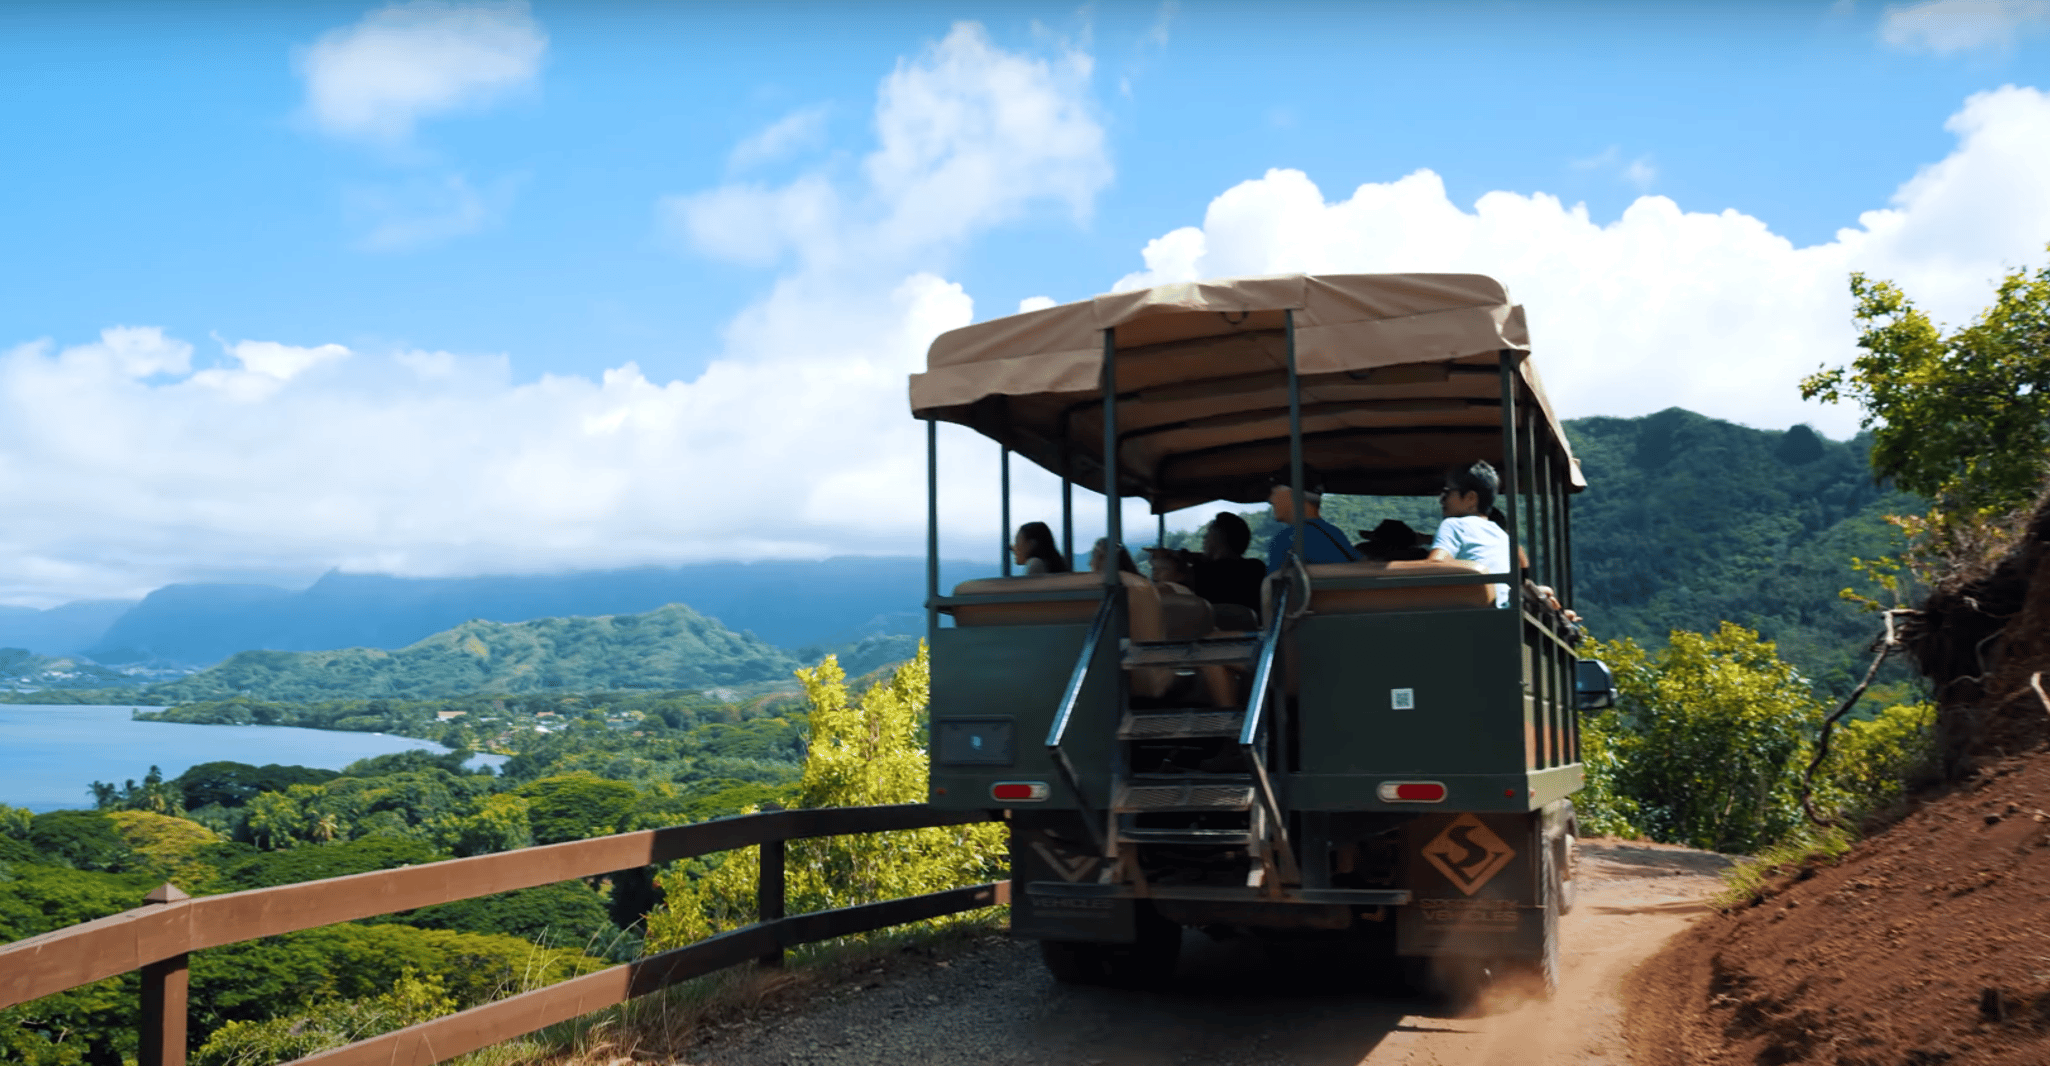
[1930,942]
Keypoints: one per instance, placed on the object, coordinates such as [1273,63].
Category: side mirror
[1595,685]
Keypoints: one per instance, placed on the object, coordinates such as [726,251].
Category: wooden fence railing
[157,938]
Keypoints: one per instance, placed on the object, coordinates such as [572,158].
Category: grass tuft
[1752,879]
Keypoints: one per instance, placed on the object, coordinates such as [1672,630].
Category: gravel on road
[1232,1002]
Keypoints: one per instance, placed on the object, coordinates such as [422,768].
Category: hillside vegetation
[607,768]
[670,648]
[1688,522]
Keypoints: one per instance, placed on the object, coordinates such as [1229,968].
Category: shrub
[568,914]
[327,860]
[411,1000]
[1710,737]
[289,974]
[861,753]
[167,847]
[1871,760]
[577,805]
[84,840]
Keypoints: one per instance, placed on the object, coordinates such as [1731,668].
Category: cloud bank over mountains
[137,459]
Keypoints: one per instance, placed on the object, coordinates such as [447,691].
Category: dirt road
[1235,1002]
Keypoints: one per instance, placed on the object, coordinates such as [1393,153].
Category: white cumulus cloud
[1948,26]
[1663,307]
[125,468]
[969,135]
[375,79]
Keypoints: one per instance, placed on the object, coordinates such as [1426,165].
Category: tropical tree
[1962,418]
[862,752]
[500,823]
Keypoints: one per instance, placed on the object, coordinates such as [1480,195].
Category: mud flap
[1474,884]
[1051,846]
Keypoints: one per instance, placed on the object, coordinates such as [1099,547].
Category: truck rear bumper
[1357,897]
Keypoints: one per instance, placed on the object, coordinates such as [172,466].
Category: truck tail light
[1412,792]
[1020,790]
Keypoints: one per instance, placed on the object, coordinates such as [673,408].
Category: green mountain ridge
[1687,521]
[672,647]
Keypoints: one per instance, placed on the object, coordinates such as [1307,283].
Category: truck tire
[1148,961]
[1569,857]
[1552,886]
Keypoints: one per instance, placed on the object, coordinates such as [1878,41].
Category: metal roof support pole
[1509,460]
[1566,540]
[1533,532]
[932,529]
[1004,534]
[1113,519]
[1528,478]
[1067,510]
[1160,537]
[1295,437]
[1544,486]
[1548,526]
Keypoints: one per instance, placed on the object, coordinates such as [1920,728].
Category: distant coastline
[53,752]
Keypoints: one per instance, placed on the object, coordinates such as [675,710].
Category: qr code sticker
[1402,699]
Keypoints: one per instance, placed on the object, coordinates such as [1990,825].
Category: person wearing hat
[1391,540]
[1322,541]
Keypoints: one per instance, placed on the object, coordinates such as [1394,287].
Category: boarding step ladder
[1228,781]
[1231,780]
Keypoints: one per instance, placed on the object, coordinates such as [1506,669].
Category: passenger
[1325,544]
[1033,548]
[1174,572]
[1467,533]
[1102,549]
[1173,567]
[1391,540]
[1223,574]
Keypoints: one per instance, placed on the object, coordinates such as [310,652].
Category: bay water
[50,754]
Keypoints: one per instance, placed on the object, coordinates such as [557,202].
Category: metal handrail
[1058,731]
[1263,668]
[1249,732]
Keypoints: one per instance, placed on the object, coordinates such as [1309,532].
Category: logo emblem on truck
[1071,867]
[1468,853]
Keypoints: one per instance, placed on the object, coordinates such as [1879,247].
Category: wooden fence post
[163,997]
[769,893]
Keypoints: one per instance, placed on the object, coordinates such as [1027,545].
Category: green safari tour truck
[1382,754]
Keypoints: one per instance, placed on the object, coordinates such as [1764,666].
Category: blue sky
[450,288]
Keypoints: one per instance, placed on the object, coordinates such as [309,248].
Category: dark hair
[1041,539]
[1124,563]
[1392,539]
[1237,535]
[1479,479]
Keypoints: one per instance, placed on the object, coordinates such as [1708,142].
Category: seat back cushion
[1409,598]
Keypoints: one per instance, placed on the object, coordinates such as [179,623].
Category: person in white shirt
[1467,533]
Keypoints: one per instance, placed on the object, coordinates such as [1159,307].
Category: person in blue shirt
[1322,541]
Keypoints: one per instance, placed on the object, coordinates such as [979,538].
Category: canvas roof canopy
[1400,377]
